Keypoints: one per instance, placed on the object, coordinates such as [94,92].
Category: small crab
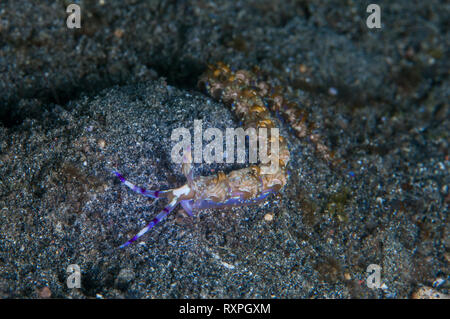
[251,100]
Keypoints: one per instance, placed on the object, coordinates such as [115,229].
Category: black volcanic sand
[76,104]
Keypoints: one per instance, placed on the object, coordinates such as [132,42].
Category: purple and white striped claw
[140,190]
[154,221]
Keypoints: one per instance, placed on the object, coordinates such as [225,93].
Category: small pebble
[101,143]
[303,68]
[125,278]
[333,91]
[45,292]
[268,217]
[118,33]
[428,293]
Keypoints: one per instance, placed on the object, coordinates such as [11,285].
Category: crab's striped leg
[154,221]
[140,190]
